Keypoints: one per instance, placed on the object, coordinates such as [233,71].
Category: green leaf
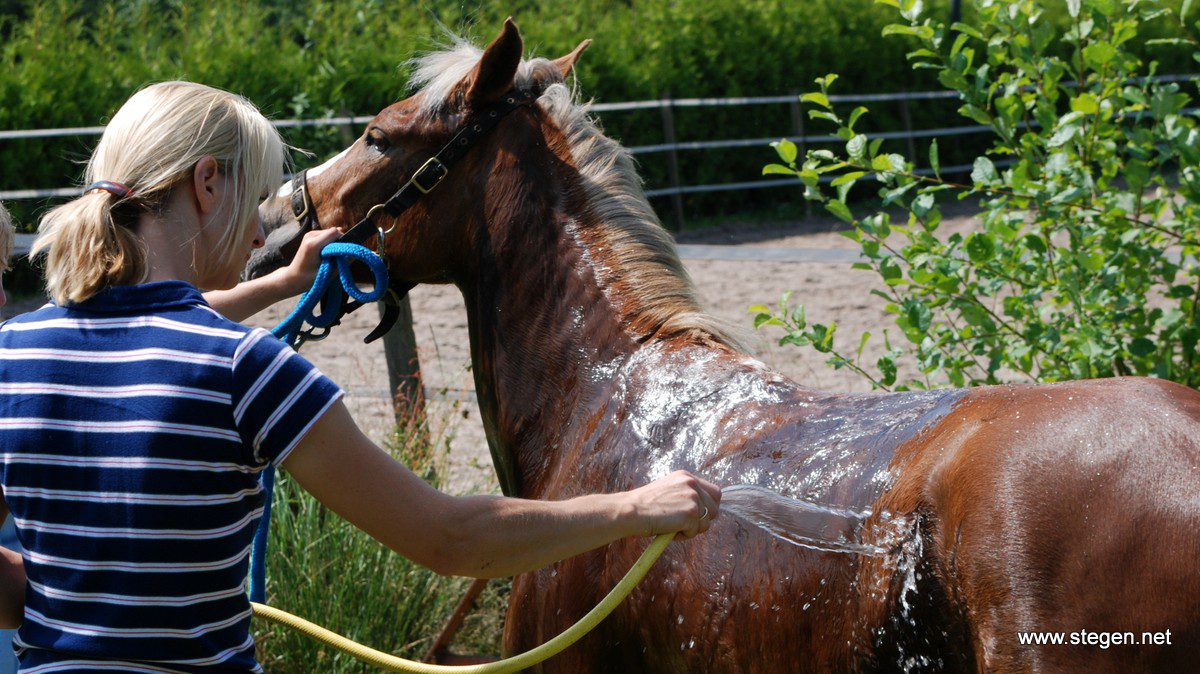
[881,163]
[968,29]
[893,3]
[887,370]
[984,171]
[919,315]
[1086,103]
[854,115]
[976,113]
[862,344]
[1184,10]
[934,162]
[786,149]
[890,271]
[911,9]
[827,81]
[1073,7]
[777,169]
[816,97]
[900,29]
[856,147]
[1142,347]
[980,247]
[1137,173]
[1035,243]
[1098,54]
[847,178]
[1062,136]
[840,210]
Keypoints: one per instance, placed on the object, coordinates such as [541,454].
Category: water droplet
[679,620]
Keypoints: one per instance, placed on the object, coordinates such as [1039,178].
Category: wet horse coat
[1003,509]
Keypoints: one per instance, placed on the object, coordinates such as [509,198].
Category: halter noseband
[423,180]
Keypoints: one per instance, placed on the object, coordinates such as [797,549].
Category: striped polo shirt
[133,429]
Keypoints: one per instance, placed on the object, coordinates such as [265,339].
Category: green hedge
[71,63]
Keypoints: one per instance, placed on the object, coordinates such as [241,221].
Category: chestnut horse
[1004,510]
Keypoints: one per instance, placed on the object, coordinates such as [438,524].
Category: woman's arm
[480,536]
[250,297]
[12,584]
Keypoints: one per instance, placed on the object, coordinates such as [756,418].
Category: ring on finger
[704,515]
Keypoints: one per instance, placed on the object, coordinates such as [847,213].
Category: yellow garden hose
[513,664]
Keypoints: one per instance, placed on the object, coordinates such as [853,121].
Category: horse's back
[1068,511]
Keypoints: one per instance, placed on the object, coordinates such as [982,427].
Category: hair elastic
[118,190]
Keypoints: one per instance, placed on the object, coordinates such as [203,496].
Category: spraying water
[800,523]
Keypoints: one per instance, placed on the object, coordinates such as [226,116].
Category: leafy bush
[1085,261]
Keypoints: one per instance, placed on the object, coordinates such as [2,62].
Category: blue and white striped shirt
[133,429]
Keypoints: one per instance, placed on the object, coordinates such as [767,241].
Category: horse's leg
[1069,508]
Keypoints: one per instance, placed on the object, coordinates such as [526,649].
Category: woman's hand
[250,297]
[298,276]
[679,502]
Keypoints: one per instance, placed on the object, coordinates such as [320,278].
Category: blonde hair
[6,237]
[152,145]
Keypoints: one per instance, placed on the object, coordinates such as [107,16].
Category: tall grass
[323,568]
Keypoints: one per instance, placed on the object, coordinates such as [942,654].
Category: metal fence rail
[672,147]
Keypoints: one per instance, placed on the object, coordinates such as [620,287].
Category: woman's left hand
[299,275]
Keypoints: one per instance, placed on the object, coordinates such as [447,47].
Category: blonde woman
[135,418]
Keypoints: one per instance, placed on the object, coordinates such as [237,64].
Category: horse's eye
[376,139]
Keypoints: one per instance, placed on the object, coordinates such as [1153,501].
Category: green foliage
[1085,262]
[72,63]
[324,569]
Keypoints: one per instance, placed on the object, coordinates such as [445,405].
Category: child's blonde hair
[6,237]
[152,145]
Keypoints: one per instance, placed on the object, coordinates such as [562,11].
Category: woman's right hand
[679,502]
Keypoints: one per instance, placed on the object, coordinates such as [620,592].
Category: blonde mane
[635,254]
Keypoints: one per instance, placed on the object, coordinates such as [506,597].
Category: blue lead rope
[331,297]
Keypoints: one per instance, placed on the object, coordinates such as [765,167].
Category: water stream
[801,523]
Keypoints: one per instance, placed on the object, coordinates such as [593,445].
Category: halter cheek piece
[423,181]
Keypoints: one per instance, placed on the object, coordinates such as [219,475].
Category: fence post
[346,131]
[801,143]
[404,371]
[668,121]
[906,117]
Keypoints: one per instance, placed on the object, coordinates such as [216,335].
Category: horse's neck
[544,337]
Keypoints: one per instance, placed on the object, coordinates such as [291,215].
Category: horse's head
[426,241]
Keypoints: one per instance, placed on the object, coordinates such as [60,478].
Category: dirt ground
[830,291]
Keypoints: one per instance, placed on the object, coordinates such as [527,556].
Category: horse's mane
[634,253]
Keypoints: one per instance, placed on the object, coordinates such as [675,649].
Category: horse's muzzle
[283,240]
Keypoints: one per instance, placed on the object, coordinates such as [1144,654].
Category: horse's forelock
[437,74]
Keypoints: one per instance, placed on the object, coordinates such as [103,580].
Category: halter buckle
[303,190]
[436,171]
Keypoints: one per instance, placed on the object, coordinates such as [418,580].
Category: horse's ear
[494,75]
[566,63]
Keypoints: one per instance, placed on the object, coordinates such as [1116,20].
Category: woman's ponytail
[87,248]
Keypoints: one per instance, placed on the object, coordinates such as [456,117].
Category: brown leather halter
[424,180]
